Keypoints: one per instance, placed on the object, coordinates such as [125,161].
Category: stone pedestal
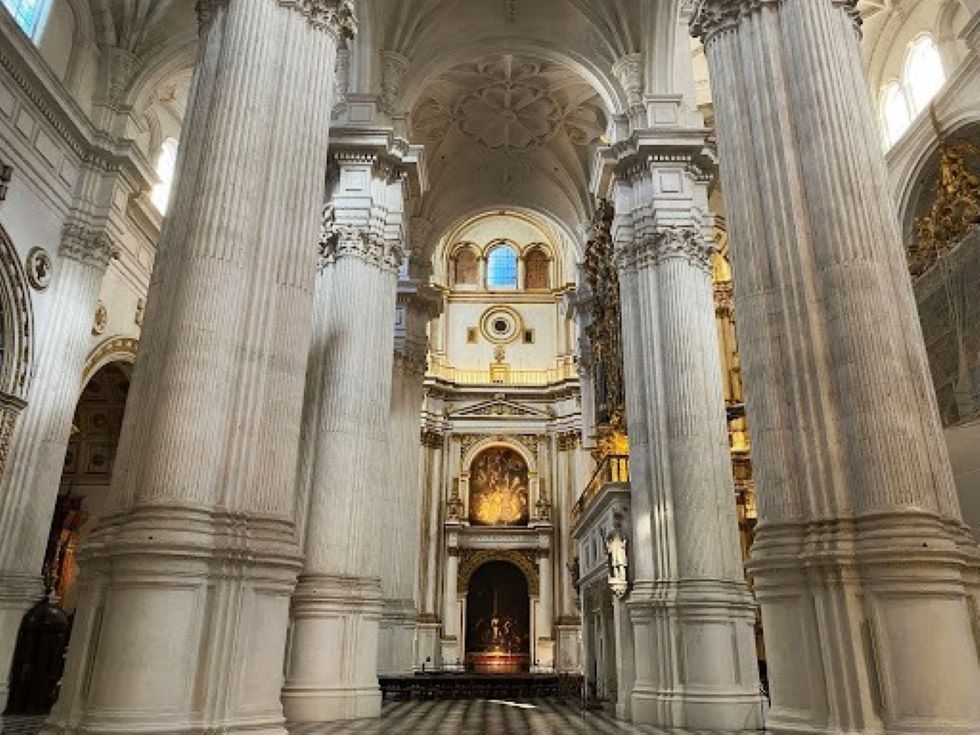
[339,601]
[184,594]
[38,440]
[864,570]
[691,610]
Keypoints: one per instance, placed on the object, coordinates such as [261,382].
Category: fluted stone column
[862,564]
[545,644]
[183,608]
[332,669]
[38,441]
[691,610]
[428,650]
[401,504]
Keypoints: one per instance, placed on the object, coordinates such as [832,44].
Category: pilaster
[864,570]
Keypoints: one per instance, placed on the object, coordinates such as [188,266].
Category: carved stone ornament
[140,311]
[394,66]
[712,17]
[39,268]
[687,243]
[100,320]
[334,16]
[342,241]
[85,246]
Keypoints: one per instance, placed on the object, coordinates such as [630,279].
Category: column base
[427,652]
[396,637]
[181,625]
[568,645]
[18,594]
[544,657]
[868,625]
[452,655]
[333,661]
[694,655]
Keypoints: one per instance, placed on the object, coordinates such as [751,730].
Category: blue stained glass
[27,13]
[502,268]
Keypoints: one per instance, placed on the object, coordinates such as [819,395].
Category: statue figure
[618,561]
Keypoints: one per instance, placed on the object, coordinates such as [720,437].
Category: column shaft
[185,585]
[690,606]
[338,602]
[862,564]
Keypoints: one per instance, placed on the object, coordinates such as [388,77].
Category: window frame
[513,285]
[40,19]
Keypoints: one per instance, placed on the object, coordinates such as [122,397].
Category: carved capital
[714,17]
[85,246]
[334,16]
[345,241]
[629,72]
[687,243]
[393,69]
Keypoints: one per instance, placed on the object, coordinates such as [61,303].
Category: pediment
[501,408]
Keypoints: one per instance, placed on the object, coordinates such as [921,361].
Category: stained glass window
[29,14]
[502,267]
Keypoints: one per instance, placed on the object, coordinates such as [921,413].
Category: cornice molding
[86,246]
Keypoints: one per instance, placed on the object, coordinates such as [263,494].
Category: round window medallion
[501,325]
[38,268]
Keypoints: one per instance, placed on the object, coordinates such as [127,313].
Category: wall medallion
[39,268]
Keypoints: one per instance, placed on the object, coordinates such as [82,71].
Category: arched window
[165,170]
[536,266]
[29,14]
[922,78]
[895,117]
[466,268]
[923,75]
[502,267]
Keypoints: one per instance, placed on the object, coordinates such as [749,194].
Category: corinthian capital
[85,246]
[713,17]
[686,243]
[333,16]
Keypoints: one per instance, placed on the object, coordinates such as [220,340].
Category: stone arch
[473,559]
[500,440]
[17,328]
[916,168]
[115,349]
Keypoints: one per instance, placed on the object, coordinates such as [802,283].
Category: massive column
[691,610]
[428,648]
[332,665]
[183,608]
[39,439]
[402,499]
[862,564]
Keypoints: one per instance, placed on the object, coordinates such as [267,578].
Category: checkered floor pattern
[450,717]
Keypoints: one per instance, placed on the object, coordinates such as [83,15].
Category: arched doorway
[498,619]
[89,459]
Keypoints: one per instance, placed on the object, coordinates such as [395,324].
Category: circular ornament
[39,268]
[501,325]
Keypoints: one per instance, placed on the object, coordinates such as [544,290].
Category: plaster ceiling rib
[616,25]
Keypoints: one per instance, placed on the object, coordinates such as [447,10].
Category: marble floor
[452,717]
